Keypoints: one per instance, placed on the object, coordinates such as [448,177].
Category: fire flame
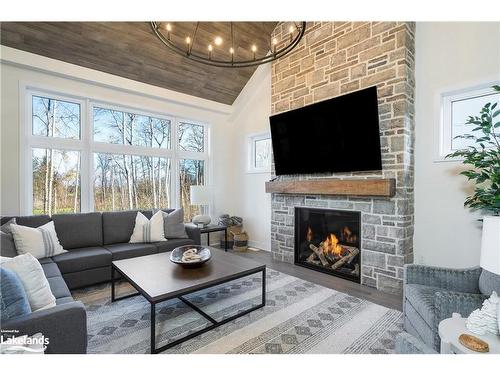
[309,234]
[331,245]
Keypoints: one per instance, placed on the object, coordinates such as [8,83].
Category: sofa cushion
[45,260]
[33,221]
[421,297]
[173,223]
[50,269]
[33,278]
[131,250]
[83,259]
[7,245]
[148,230]
[64,300]
[13,299]
[169,245]
[117,227]
[5,228]
[79,230]
[58,287]
[40,242]
[87,277]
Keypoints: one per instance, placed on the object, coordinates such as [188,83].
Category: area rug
[299,317]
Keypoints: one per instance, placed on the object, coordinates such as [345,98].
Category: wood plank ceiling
[131,50]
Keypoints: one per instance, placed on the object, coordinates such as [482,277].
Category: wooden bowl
[176,255]
[473,343]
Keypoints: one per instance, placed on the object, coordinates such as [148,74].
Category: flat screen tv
[335,135]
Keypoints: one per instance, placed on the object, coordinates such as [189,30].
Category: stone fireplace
[335,58]
[329,241]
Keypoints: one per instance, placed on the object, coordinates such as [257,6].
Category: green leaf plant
[483,158]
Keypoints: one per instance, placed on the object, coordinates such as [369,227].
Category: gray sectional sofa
[93,241]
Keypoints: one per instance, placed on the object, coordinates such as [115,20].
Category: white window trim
[251,139]
[87,147]
[443,138]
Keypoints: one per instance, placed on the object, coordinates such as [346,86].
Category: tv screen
[336,135]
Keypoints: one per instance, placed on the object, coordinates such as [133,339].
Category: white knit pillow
[148,230]
[41,242]
[33,278]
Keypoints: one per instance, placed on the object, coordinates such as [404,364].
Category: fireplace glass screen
[329,241]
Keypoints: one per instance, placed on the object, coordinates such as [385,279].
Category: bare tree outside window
[55,118]
[124,182]
[131,153]
[56,173]
[56,181]
[191,172]
[191,137]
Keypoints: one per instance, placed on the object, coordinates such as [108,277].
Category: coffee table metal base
[213,322]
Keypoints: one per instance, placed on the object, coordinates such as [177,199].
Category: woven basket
[230,236]
[240,241]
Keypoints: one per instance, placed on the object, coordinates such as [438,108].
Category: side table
[449,331]
[215,228]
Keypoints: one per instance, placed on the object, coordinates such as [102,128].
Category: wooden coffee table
[157,279]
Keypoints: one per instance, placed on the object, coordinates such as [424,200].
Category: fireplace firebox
[329,241]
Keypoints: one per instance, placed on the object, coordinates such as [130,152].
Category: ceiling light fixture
[288,40]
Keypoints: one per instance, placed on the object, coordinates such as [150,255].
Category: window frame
[88,147]
[251,140]
[446,100]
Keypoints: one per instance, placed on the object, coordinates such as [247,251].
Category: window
[112,159]
[56,181]
[457,107]
[192,172]
[259,153]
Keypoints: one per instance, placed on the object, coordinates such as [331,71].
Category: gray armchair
[432,294]
[407,344]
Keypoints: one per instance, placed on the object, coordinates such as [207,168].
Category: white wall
[449,56]
[251,112]
[19,67]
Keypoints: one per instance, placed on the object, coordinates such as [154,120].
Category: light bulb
[254,48]
[188,40]
[291,29]
[168,27]
[275,41]
[231,50]
[218,41]
[210,48]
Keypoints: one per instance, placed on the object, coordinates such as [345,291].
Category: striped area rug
[299,317]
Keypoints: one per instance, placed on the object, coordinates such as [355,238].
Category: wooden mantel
[370,187]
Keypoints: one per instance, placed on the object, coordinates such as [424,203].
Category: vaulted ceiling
[131,50]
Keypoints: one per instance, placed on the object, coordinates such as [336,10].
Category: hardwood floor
[328,281]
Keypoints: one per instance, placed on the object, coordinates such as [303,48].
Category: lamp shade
[200,194]
[490,244]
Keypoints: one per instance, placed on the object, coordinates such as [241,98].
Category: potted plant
[484,159]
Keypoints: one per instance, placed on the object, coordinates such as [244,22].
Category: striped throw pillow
[41,242]
[148,230]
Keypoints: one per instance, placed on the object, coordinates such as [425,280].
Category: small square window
[456,109]
[259,147]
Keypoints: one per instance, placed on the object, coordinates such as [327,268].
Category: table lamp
[201,195]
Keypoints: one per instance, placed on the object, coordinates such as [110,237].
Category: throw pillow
[173,224]
[148,230]
[13,299]
[35,284]
[41,242]
[5,228]
[7,246]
